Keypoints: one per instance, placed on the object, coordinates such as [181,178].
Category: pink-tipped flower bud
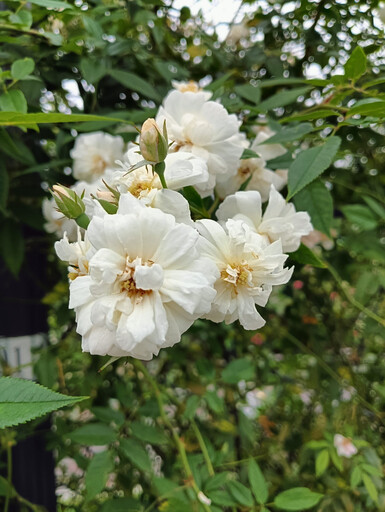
[153,144]
[68,202]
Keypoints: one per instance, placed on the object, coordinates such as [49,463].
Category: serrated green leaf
[318,202]
[321,462]
[356,65]
[13,101]
[148,433]
[108,415]
[135,83]
[239,369]
[298,498]
[136,454]
[310,164]
[370,487]
[281,99]
[23,400]
[373,109]
[92,434]
[290,134]
[97,473]
[22,68]
[306,256]
[257,482]
[311,116]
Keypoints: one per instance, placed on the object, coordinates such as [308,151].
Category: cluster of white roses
[143,270]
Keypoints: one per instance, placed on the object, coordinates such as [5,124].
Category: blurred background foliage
[279,395]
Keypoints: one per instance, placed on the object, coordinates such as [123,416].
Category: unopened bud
[68,202]
[153,144]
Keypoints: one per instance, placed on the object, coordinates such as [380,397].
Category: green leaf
[22,68]
[375,206]
[50,4]
[375,109]
[135,83]
[148,433]
[13,101]
[93,434]
[239,369]
[215,403]
[99,468]
[298,498]
[240,493]
[14,148]
[136,454]
[355,477]
[372,470]
[356,65]
[192,405]
[318,202]
[17,119]
[12,245]
[336,458]
[23,400]
[257,482]
[310,164]
[121,505]
[108,415]
[4,187]
[216,481]
[248,92]
[5,488]
[316,445]
[223,498]
[249,153]
[306,256]
[370,487]
[92,70]
[290,134]
[282,99]
[361,216]
[321,462]
[311,116]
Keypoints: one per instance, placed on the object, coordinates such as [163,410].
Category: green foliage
[23,400]
[299,498]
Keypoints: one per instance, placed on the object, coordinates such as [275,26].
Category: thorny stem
[178,442]
[203,447]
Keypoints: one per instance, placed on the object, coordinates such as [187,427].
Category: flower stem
[203,447]
[9,476]
[178,442]
[159,169]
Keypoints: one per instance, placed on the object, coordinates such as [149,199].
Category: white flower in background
[248,265]
[93,153]
[191,86]
[205,129]
[256,169]
[147,282]
[344,446]
[57,223]
[237,32]
[280,221]
[255,399]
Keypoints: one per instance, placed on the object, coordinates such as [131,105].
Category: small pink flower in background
[257,339]
[298,285]
[344,446]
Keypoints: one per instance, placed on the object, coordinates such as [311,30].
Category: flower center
[139,279]
[98,164]
[238,275]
